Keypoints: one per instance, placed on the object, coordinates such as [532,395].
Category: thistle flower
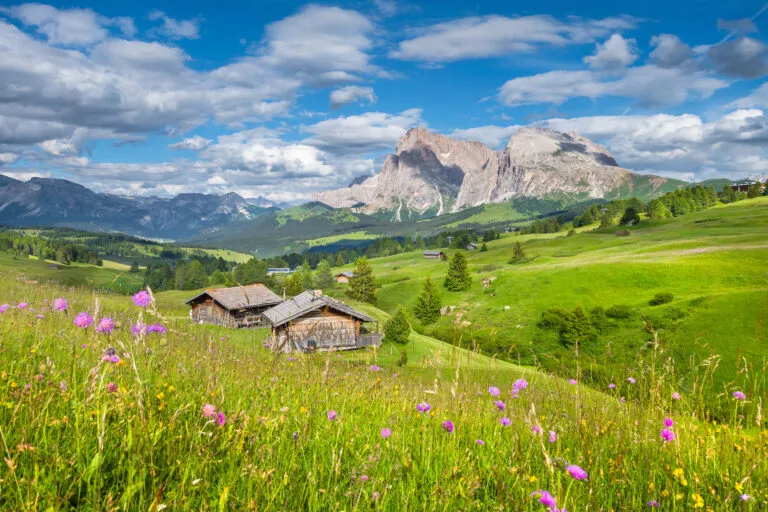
[423,407]
[552,436]
[374,368]
[631,380]
[545,498]
[209,411]
[494,391]
[500,405]
[22,305]
[505,422]
[142,299]
[332,415]
[520,384]
[60,305]
[668,422]
[653,504]
[110,358]
[611,386]
[480,442]
[676,395]
[573,382]
[111,387]
[221,419]
[137,329]
[158,328]
[4,308]
[386,433]
[667,435]
[738,395]
[448,426]
[106,325]
[577,472]
[536,429]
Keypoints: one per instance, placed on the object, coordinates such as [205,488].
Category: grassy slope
[715,263]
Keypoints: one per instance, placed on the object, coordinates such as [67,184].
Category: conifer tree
[362,286]
[340,261]
[397,329]
[323,277]
[428,303]
[294,285]
[518,254]
[458,278]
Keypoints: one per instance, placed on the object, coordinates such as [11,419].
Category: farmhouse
[313,321]
[744,186]
[344,277]
[471,246]
[240,306]
[273,271]
[434,255]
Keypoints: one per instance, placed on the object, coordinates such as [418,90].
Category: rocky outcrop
[432,173]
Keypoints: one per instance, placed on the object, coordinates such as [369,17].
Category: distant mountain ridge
[57,202]
[432,174]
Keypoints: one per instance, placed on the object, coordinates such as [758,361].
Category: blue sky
[284,98]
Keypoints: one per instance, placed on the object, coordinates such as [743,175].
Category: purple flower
[631,380]
[137,329]
[611,386]
[494,391]
[622,399]
[22,305]
[667,435]
[106,325]
[39,316]
[375,495]
[110,358]
[536,429]
[738,395]
[505,422]
[4,308]
[668,422]
[142,299]
[374,368]
[653,504]
[111,387]
[60,305]
[552,436]
[291,359]
[63,386]
[520,384]
[221,419]
[573,382]
[545,498]
[500,405]
[744,497]
[423,407]
[448,426]
[386,433]
[332,415]
[480,442]
[209,411]
[158,328]
[577,472]
[363,478]
[676,396]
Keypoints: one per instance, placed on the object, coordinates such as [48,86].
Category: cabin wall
[209,312]
[327,329]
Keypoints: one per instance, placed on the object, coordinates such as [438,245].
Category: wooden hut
[344,277]
[313,321]
[434,255]
[239,306]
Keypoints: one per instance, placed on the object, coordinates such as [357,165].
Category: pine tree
[397,329]
[577,329]
[428,303]
[294,285]
[323,277]
[754,190]
[306,274]
[630,217]
[195,276]
[518,254]
[340,261]
[134,267]
[458,278]
[362,286]
[484,247]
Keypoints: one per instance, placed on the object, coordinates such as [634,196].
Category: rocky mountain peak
[532,146]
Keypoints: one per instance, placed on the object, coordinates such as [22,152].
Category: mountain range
[432,174]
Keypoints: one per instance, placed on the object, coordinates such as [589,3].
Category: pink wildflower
[738,395]
[668,422]
[4,308]
[611,386]
[363,478]
[386,433]
[494,391]
[448,426]
[480,442]
[577,472]
[545,498]
[332,415]
[106,325]
[60,305]
[552,436]
[500,405]
[209,411]
[573,382]
[520,384]
[505,422]
[221,419]
[423,407]
[112,387]
[676,396]
[374,368]
[536,429]
[631,380]
[22,305]
[142,299]
[667,435]
[83,320]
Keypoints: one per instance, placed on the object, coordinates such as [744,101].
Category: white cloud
[8,158]
[669,51]
[69,27]
[195,143]
[58,147]
[641,83]
[741,58]
[615,53]
[490,36]
[176,29]
[351,94]
[365,133]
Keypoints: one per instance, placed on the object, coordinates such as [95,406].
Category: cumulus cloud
[351,94]
[740,26]
[175,29]
[195,143]
[669,51]
[615,53]
[741,58]
[640,83]
[365,133]
[490,36]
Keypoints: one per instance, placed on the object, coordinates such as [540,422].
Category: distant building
[471,246]
[54,266]
[239,306]
[344,277]
[744,186]
[434,255]
[312,321]
[273,271]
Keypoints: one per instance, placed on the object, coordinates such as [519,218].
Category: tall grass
[79,432]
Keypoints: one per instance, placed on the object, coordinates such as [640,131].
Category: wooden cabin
[344,277]
[239,306]
[471,246]
[313,321]
[434,255]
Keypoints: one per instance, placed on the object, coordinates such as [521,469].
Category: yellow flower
[678,473]
[303,410]
[532,479]
[13,384]
[698,501]
[738,486]
[160,396]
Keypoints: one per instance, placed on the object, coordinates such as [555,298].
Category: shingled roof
[240,297]
[306,302]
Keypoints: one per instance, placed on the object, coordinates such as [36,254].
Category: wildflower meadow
[112,403]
